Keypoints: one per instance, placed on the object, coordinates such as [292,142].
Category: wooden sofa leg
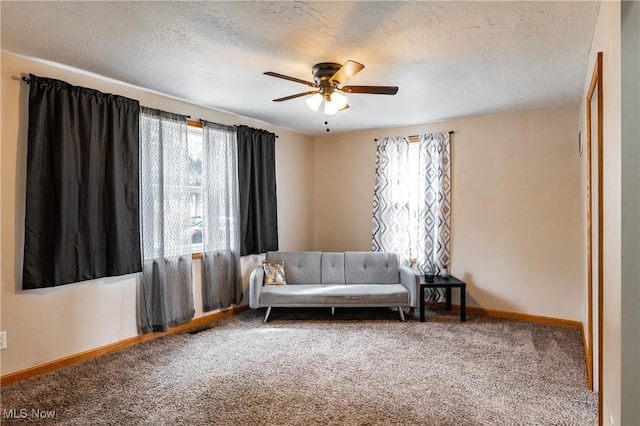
[401,314]
[266,316]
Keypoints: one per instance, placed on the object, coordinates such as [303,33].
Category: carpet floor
[361,367]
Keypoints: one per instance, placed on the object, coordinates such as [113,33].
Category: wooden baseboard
[538,319]
[561,322]
[112,347]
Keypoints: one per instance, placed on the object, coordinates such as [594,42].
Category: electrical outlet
[3,340]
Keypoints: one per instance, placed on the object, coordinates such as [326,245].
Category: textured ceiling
[449,59]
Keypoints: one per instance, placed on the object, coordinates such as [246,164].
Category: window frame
[196,124]
[414,153]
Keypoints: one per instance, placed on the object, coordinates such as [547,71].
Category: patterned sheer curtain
[222,283]
[434,206]
[434,202]
[166,291]
[391,199]
[412,208]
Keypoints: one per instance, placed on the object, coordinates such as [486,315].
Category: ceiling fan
[328,78]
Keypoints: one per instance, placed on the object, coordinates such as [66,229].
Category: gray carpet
[362,367]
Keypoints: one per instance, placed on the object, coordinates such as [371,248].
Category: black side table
[448,284]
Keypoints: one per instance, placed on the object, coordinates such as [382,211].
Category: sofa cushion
[333,268]
[300,267]
[274,273]
[371,267]
[335,295]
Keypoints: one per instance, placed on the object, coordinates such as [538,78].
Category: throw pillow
[274,273]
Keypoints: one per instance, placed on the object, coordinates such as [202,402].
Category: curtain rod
[238,125]
[234,126]
[28,80]
[451,132]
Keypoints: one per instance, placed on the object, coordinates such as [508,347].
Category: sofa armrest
[411,281]
[255,286]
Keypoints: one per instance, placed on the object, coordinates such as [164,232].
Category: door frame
[596,84]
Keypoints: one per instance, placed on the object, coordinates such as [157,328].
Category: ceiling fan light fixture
[340,100]
[314,101]
[330,108]
[334,103]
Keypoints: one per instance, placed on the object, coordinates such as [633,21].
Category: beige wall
[516,206]
[606,39]
[43,325]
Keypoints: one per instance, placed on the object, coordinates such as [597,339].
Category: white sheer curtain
[166,292]
[221,278]
[391,199]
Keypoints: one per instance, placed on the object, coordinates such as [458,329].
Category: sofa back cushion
[333,268]
[362,267]
[300,267]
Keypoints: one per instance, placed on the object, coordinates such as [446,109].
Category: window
[194,140]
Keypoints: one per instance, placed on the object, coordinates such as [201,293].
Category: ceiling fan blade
[286,98]
[374,90]
[346,71]
[286,77]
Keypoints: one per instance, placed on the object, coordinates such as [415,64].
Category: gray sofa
[336,280]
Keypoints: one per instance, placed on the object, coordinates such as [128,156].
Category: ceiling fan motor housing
[322,74]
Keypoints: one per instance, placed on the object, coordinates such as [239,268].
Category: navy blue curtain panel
[82,197]
[257,188]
